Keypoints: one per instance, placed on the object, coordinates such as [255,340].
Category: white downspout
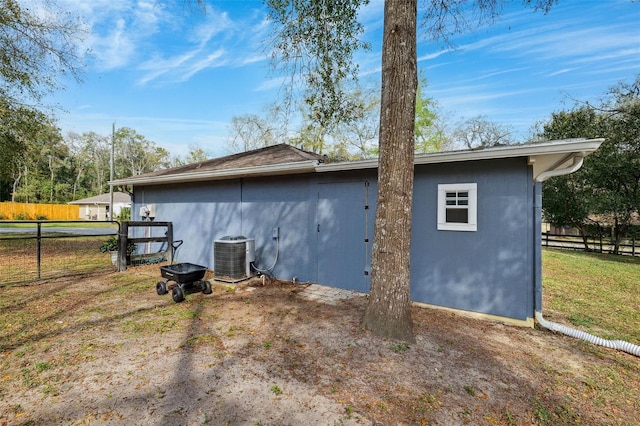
[560,328]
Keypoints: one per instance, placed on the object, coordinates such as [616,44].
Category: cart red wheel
[206,287]
[161,288]
[177,294]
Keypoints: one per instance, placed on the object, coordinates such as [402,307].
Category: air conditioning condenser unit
[232,257]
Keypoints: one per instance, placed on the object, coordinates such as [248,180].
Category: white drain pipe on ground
[620,345]
[560,328]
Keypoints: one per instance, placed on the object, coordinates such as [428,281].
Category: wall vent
[232,257]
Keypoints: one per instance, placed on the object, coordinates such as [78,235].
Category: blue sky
[178,76]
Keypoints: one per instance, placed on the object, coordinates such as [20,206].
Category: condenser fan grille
[232,257]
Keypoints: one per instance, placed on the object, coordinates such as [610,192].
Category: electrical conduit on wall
[560,328]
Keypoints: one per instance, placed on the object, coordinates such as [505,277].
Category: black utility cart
[185,275]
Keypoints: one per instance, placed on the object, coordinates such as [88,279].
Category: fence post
[39,247]
[123,242]
[170,241]
[601,244]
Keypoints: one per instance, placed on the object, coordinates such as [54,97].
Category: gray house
[475,243]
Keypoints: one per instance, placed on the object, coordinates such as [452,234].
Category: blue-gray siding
[490,270]
[344,229]
[326,230]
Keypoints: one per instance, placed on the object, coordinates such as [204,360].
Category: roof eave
[568,146]
[543,153]
[212,175]
[586,146]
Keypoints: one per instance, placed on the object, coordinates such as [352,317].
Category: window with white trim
[457,207]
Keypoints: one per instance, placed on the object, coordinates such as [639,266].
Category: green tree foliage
[135,154]
[30,149]
[38,44]
[568,200]
[311,136]
[44,170]
[428,137]
[90,156]
[353,138]
[53,169]
[606,191]
[357,139]
[313,43]
[350,138]
[16,128]
[196,154]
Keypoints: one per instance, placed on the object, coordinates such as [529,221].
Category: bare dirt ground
[106,349]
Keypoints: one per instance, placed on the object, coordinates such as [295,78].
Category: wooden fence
[629,247]
[29,211]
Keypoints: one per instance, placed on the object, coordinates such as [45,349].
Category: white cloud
[272,83]
[157,66]
[115,48]
[434,55]
[562,71]
[215,24]
[118,28]
[252,59]
[212,60]
[211,41]
[474,95]
[372,16]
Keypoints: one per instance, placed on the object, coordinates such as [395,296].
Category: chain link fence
[37,250]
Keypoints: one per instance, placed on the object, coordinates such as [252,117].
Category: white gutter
[567,146]
[621,345]
[547,149]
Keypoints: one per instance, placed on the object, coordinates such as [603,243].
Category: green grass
[59,257]
[598,293]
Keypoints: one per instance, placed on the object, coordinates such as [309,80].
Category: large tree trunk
[389,310]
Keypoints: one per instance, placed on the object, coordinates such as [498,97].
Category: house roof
[285,159]
[609,219]
[270,155]
[118,197]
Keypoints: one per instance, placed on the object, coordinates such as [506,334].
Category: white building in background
[97,207]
